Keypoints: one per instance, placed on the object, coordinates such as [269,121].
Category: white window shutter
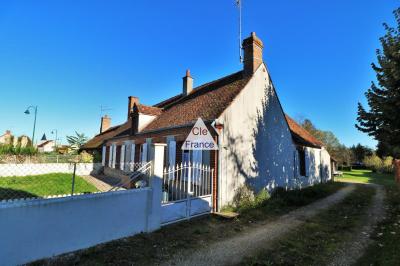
[171,158]
[197,160]
[109,156]
[172,153]
[197,156]
[114,149]
[122,159]
[103,156]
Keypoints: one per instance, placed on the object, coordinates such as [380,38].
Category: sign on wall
[199,138]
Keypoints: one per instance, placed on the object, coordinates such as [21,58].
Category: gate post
[154,206]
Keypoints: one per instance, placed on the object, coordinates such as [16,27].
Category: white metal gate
[187,192]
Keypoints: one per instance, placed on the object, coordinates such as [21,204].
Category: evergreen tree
[382,120]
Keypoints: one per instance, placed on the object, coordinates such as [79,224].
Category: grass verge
[159,246]
[42,185]
[313,242]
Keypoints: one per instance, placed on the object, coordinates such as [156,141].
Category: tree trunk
[397,170]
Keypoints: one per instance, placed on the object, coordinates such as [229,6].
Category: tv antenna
[239,6]
[103,109]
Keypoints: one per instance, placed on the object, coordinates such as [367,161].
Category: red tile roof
[44,143]
[207,101]
[149,110]
[301,136]
[99,139]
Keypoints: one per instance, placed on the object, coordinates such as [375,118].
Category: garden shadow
[9,193]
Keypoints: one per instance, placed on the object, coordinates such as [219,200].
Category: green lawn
[366,176]
[42,185]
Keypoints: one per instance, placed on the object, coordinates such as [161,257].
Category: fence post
[154,203]
[73,180]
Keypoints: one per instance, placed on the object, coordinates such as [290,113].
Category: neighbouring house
[46,145]
[6,138]
[9,139]
[64,149]
[259,145]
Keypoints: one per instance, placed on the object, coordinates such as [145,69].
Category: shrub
[387,165]
[376,164]
[86,157]
[245,199]
[373,162]
[97,157]
[243,196]
[8,149]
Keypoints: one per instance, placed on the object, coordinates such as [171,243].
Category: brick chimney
[187,83]
[131,102]
[105,123]
[253,54]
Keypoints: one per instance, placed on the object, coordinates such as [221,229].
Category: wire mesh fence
[48,180]
[40,158]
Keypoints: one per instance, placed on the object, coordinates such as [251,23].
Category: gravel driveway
[233,250]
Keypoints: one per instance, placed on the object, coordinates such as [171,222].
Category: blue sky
[71,57]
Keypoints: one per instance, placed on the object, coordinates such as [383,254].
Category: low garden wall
[41,228]
[47,168]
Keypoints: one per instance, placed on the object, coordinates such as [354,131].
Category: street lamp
[27,112]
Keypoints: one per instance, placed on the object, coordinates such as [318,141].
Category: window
[302,161]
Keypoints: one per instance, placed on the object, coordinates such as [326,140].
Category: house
[6,138]
[63,149]
[46,146]
[259,145]
[9,139]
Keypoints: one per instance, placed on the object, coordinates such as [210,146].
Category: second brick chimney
[131,102]
[253,54]
[105,123]
[187,83]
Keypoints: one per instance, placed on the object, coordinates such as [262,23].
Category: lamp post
[55,140]
[27,112]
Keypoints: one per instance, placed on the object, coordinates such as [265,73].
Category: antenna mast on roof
[104,108]
[239,6]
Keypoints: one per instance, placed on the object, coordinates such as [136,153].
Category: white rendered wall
[318,168]
[144,120]
[41,228]
[256,146]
